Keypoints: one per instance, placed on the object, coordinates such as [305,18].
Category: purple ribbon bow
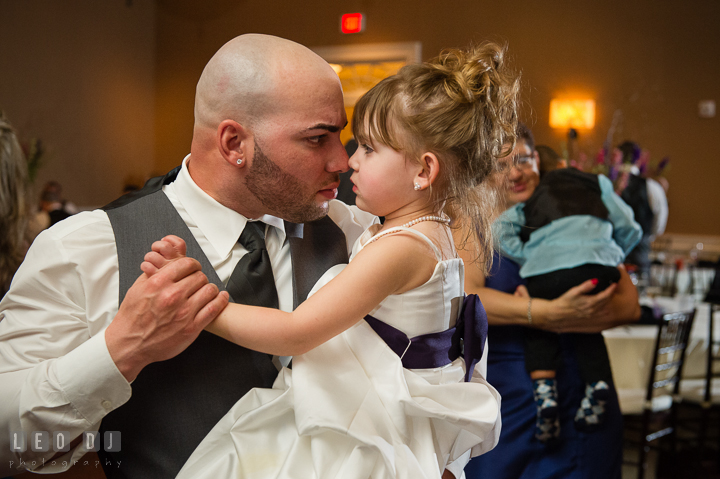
[435,350]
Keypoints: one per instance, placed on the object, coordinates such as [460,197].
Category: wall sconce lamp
[572,114]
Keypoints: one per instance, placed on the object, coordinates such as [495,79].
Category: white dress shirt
[658,205]
[56,373]
[657,199]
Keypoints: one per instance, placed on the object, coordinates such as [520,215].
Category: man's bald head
[268,117]
[251,76]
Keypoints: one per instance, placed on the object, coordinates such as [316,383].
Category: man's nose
[338,159]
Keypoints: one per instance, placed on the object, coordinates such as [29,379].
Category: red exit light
[352,23]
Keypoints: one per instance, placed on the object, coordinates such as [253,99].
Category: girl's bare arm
[394,264]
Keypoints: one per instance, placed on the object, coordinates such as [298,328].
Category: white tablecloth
[631,348]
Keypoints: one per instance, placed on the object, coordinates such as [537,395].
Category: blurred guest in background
[649,203]
[549,159]
[15,216]
[53,207]
[519,454]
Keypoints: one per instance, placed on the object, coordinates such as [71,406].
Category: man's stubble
[281,193]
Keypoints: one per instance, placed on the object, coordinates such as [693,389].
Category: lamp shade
[572,113]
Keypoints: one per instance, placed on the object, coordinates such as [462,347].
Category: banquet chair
[659,414]
[710,373]
[705,392]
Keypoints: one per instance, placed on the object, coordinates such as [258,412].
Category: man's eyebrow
[326,126]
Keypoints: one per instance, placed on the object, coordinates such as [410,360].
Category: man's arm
[57,371]
[161,316]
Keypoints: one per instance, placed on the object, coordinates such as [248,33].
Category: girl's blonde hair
[461,106]
[14,205]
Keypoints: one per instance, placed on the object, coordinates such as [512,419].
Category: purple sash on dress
[435,350]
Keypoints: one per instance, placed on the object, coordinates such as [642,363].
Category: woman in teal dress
[576,454]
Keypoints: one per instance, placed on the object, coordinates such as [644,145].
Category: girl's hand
[163,252]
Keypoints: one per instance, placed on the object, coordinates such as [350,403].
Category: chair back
[670,347]
[659,415]
[711,358]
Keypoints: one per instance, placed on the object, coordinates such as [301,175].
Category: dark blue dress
[579,455]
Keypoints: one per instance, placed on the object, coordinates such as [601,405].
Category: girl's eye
[368,149]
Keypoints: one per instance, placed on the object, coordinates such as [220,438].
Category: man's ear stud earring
[417,186]
[239,161]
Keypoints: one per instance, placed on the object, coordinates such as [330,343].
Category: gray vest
[175,403]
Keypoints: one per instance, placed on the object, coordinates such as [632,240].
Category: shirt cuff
[90,379]
[458,465]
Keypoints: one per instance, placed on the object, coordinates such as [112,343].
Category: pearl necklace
[438,219]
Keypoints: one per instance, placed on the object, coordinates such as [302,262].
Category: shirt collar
[221,225]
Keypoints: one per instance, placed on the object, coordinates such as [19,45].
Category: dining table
[631,348]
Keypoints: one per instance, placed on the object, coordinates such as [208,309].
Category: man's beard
[281,193]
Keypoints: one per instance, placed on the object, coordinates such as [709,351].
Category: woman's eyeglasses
[520,162]
[523,162]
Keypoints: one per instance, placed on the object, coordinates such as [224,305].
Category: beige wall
[82,74]
[653,60]
[79,74]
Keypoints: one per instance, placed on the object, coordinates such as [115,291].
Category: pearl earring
[239,161]
[417,186]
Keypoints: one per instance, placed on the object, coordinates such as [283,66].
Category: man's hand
[161,315]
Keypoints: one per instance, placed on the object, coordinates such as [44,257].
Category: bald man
[88,344]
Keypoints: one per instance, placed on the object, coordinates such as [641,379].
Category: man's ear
[430,169]
[234,142]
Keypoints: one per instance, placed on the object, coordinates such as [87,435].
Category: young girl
[390,396]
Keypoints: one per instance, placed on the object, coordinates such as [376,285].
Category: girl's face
[383,179]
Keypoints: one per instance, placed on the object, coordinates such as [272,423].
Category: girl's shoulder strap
[398,229]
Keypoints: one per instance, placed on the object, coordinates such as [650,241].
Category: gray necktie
[252,281]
